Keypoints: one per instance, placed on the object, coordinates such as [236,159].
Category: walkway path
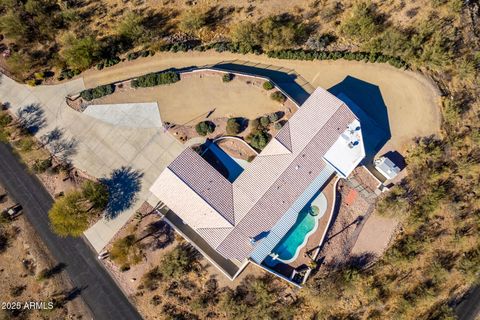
[101,147]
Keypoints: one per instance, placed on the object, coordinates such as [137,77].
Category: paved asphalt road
[469,309]
[98,290]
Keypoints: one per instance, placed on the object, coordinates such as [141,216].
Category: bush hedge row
[97,92]
[291,54]
[155,79]
[334,55]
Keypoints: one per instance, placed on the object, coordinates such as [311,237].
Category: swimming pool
[289,247]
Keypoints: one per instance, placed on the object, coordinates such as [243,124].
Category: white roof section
[129,115]
[347,152]
[171,189]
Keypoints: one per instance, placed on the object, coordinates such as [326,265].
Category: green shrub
[155,79]
[125,251]
[267,85]
[264,121]
[233,126]
[273,117]
[40,166]
[278,96]
[39,75]
[205,127]
[151,278]
[5,119]
[227,77]
[191,21]
[363,23]
[96,193]
[259,139]
[177,262]
[97,92]
[25,144]
[278,126]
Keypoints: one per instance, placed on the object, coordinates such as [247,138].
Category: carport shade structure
[245,219]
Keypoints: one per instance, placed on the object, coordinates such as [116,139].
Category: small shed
[386,167]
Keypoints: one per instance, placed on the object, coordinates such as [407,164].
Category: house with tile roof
[242,221]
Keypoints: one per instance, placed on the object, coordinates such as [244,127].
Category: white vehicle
[103,255]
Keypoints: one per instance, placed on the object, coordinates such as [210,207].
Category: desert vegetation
[435,258]
[72,213]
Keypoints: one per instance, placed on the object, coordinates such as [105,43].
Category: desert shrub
[233,126]
[97,92]
[272,117]
[264,121]
[131,27]
[278,96]
[151,278]
[17,291]
[125,251]
[267,85]
[4,240]
[178,261]
[271,33]
[259,139]
[109,62]
[96,193]
[320,42]
[40,166]
[155,79]
[256,298]
[25,144]
[192,20]
[5,119]
[205,127]
[278,126]
[227,77]
[48,273]
[79,53]
[363,23]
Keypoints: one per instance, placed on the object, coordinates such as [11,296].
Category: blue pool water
[293,240]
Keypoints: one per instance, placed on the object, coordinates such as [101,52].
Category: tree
[68,216]
[192,20]
[96,193]
[79,53]
[125,251]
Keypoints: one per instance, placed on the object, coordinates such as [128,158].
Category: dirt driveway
[412,101]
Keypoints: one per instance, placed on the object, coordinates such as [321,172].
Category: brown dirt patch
[375,235]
